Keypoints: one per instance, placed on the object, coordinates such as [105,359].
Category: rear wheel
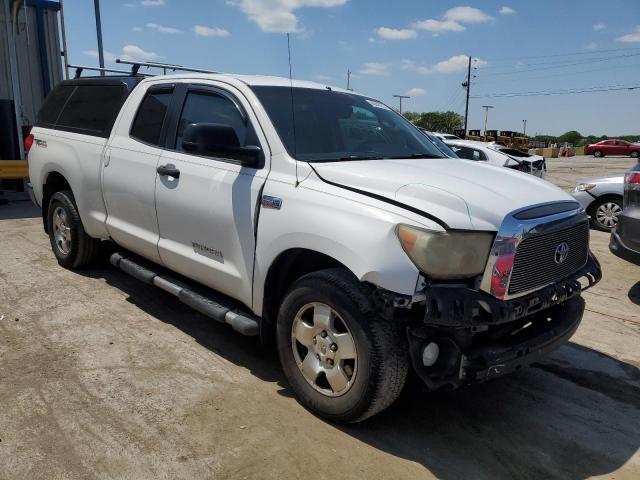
[598,154]
[71,245]
[605,213]
[635,154]
[343,361]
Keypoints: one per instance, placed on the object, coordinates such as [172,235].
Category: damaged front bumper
[478,337]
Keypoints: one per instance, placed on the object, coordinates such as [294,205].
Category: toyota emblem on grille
[562,252]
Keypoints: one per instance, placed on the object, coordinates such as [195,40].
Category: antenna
[293,111]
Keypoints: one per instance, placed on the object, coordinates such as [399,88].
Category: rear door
[129,171]
[207,213]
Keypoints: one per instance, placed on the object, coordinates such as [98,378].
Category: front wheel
[605,213]
[343,361]
[598,154]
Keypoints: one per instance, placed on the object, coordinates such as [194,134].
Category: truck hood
[461,193]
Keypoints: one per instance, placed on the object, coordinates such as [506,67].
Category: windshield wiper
[361,157]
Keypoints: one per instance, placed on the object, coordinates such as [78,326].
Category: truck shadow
[573,416]
[634,293]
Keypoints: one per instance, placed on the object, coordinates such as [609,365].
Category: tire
[598,154]
[71,245]
[367,384]
[635,154]
[604,213]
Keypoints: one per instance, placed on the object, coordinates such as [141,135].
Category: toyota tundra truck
[317,219]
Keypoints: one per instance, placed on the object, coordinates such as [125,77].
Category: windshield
[444,148]
[334,126]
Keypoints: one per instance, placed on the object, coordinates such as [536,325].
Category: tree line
[447,122]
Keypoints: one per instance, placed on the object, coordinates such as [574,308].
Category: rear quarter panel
[78,159]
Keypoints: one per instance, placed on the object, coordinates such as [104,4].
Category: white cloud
[467,15]
[278,15]
[631,37]
[416,92]
[457,63]
[203,31]
[130,5]
[108,56]
[439,26]
[372,68]
[591,46]
[506,11]
[396,34]
[134,52]
[137,29]
[323,78]
[372,40]
[162,29]
[152,3]
[599,26]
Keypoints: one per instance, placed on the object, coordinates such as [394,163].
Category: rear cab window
[86,106]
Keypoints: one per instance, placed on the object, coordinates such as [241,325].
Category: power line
[570,91]
[582,52]
[563,74]
[563,65]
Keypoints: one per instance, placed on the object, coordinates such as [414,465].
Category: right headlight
[583,187]
[446,255]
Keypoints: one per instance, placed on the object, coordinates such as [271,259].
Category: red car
[613,147]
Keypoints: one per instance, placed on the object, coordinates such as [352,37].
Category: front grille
[534,265]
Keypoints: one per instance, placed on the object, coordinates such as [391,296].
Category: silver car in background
[494,155]
[602,199]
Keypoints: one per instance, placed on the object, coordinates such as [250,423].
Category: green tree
[571,137]
[445,122]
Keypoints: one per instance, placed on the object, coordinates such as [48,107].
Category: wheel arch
[286,268]
[53,182]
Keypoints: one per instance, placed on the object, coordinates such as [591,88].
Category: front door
[206,205]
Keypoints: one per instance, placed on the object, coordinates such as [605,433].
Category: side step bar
[218,309]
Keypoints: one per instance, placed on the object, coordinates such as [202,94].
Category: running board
[223,311]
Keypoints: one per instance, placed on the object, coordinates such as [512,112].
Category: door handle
[168,170]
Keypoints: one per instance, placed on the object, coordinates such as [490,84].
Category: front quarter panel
[317,217]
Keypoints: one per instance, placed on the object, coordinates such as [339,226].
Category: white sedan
[496,154]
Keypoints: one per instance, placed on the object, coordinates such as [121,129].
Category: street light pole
[400,97]
[486,115]
[524,128]
[96,5]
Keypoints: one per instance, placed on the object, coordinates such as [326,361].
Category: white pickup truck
[319,219]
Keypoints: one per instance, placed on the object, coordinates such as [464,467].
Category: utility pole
[524,128]
[400,97]
[96,4]
[486,114]
[467,85]
[349,80]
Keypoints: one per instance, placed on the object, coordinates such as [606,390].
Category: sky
[418,48]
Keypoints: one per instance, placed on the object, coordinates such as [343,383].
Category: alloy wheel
[324,349]
[61,230]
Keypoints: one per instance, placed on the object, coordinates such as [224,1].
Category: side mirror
[218,140]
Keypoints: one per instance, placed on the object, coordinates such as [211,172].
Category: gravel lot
[104,377]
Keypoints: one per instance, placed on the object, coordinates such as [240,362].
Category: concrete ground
[104,377]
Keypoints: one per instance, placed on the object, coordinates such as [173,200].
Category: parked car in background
[625,237]
[446,136]
[443,147]
[602,199]
[613,147]
[484,152]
